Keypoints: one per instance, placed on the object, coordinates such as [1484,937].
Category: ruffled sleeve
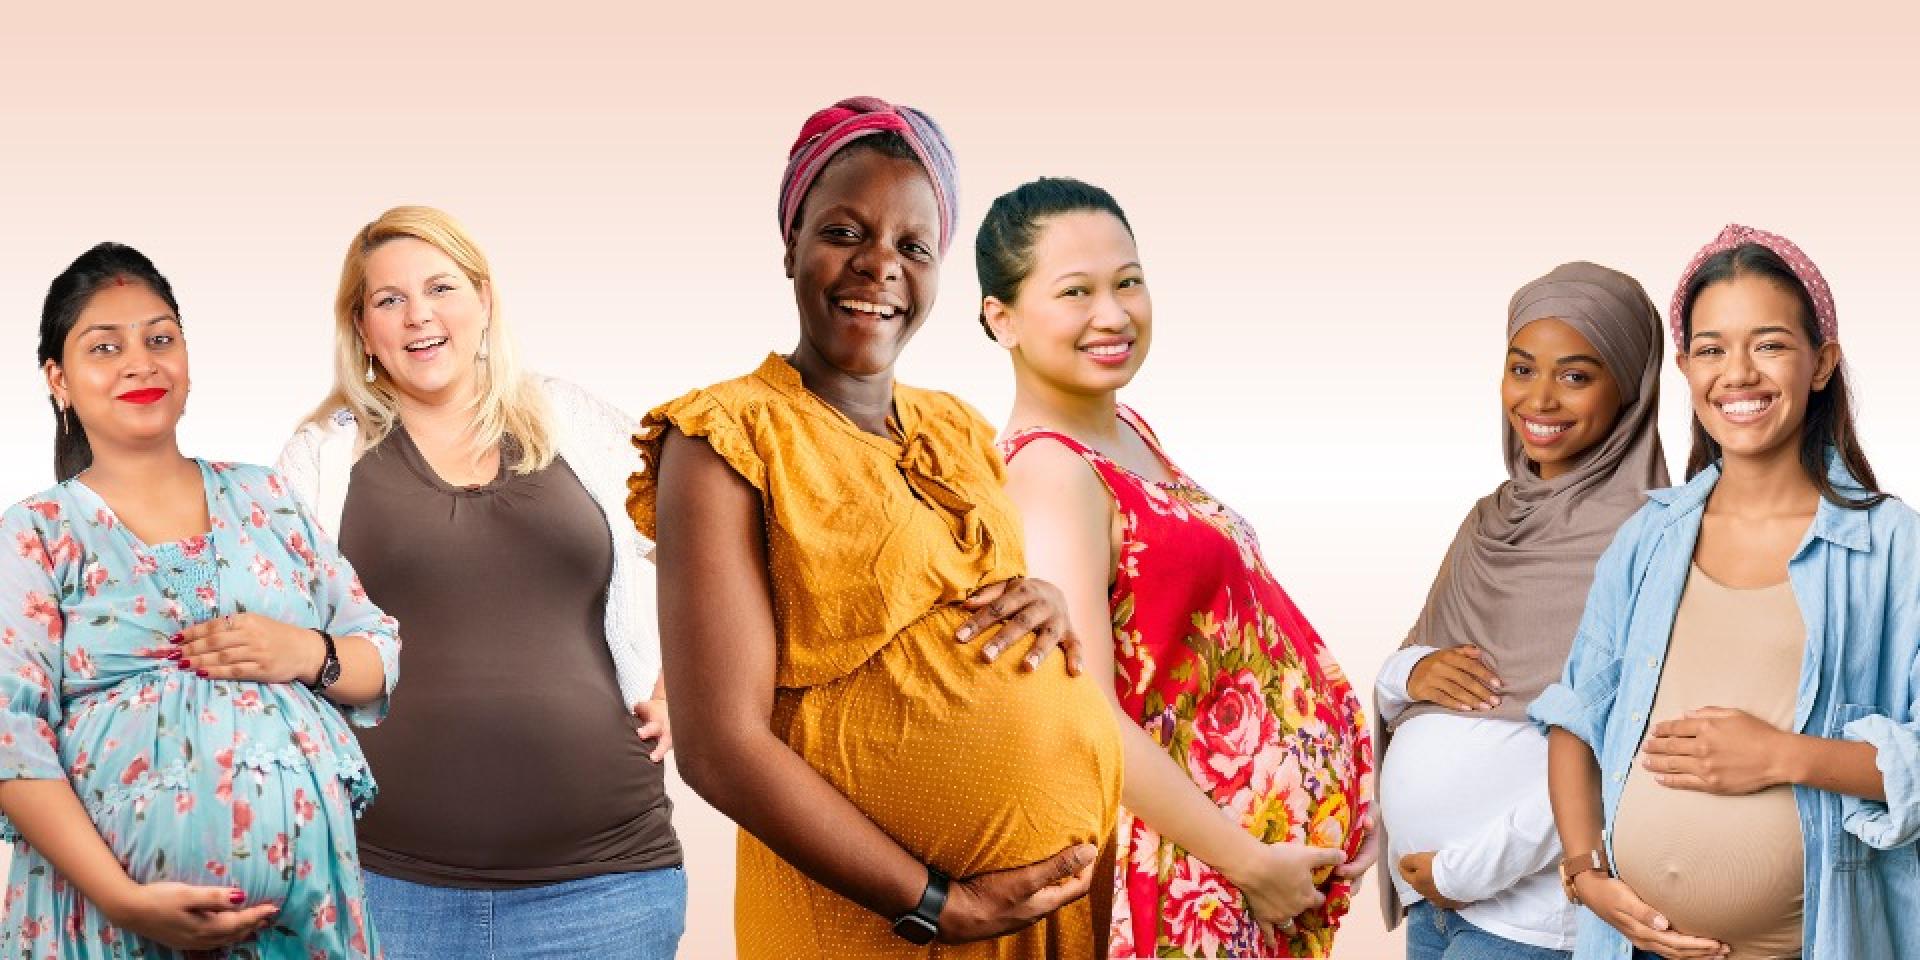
[32,625]
[698,414]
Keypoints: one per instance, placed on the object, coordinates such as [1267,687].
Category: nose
[1542,394]
[419,311]
[1740,369]
[1109,313]
[139,360]
[877,261]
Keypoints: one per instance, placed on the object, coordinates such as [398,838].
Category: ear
[56,381]
[1000,320]
[486,298]
[1826,361]
[360,330]
[1680,360]
[787,259]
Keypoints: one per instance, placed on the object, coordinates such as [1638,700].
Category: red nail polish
[185,664]
[202,674]
[173,654]
[236,898]
[179,638]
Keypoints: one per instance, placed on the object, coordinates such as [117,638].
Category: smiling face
[423,319]
[865,259]
[1560,398]
[123,371]
[1751,366]
[1082,319]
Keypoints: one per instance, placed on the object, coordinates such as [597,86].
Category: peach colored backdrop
[1333,205]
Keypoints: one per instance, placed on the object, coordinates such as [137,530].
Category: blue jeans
[618,916]
[1436,934]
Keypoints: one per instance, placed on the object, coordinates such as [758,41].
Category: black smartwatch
[329,668]
[922,924]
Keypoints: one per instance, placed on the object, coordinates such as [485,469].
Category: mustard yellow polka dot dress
[872,543]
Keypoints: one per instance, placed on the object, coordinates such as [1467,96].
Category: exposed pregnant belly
[971,766]
[1730,868]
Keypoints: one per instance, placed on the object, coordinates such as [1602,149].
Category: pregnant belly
[971,766]
[1730,868]
[226,784]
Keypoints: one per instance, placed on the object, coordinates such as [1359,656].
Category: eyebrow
[1129,265]
[1569,358]
[1758,331]
[111,328]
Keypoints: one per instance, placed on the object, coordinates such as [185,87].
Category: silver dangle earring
[369,376]
[65,426]
[482,355]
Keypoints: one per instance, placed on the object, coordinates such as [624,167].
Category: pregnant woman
[177,646]
[1248,757]
[1464,781]
[824,536]
[1732,759]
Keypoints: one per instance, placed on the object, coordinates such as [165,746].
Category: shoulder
[1048,471]
[249,480]
[37,512]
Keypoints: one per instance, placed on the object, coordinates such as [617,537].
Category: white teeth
[1745,408]
[880,310]
[1543,430]
[426,344]
[1108,349]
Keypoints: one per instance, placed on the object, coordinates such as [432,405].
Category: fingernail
[963,634]
[173,654]
[1660,922]
[179,638]
[1497,684]
[1486,705]
[990,652]
[236,898]
[1032,661]
[185,664]
[1496,701]
[202,674]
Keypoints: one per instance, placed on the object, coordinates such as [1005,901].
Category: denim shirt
[1856,578]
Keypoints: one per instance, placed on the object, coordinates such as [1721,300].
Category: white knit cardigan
[595,439]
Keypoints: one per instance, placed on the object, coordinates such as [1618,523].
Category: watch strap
[1572,867]
[329,665]
[921,925]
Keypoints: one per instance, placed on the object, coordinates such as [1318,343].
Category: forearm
[1156,790]
[49,815]
[761,784]
[1511,847]
[1848,767]
[1573,783]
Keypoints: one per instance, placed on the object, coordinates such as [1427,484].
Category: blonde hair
[508,402]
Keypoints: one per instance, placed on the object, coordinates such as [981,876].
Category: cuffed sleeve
[1509,848]
[1390,697]
[1894,822]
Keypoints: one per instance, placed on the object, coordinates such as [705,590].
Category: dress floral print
[218,782]
[1214,661]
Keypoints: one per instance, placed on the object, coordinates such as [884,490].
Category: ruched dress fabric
[202,781]
[872,544]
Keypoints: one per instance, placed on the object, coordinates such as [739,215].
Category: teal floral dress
[217,782]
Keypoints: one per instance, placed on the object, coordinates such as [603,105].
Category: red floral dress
[1214,661]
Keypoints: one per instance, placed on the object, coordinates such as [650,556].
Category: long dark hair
[1829,421]
[1003,249]
[67,298]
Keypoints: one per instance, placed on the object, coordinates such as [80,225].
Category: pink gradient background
[1333,206]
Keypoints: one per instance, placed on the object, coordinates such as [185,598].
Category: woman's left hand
[248,646]
[1417,870]
[1364,859]
[1715,750]
[654,726]
[1022,606]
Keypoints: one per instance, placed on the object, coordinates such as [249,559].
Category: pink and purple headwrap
[1736,235]
[829,130]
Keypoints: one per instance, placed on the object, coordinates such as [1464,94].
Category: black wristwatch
[329,668]
[922,924]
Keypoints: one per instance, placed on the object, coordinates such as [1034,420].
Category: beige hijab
[1515,579]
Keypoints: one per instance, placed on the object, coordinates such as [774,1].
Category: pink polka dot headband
[1736,235]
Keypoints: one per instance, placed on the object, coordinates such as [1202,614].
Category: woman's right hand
[188,917]
[1455,677]
[1613,901]
[988,905]
[1281,880]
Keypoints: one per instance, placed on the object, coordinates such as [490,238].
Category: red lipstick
[143,396]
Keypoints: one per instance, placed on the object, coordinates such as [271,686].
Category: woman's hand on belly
[248,646]
[1279,880]
[1716,750]
[189,918]
[1023,606]
[1417,870]
[1613,901]
[994,904]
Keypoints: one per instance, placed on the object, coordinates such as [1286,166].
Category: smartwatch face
[915,929]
